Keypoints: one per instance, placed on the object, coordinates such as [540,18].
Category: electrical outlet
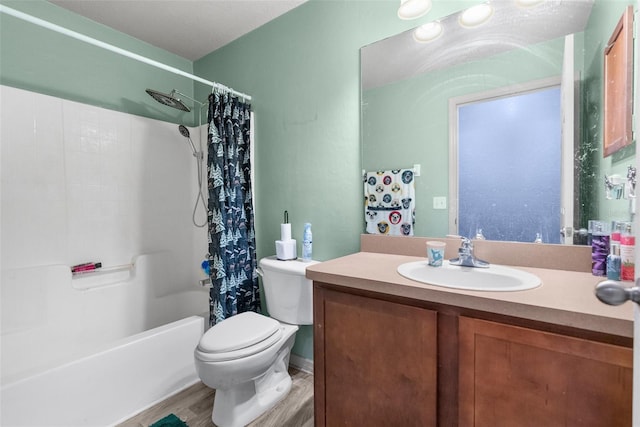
[439,203]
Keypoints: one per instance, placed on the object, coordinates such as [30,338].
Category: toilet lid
[243,330]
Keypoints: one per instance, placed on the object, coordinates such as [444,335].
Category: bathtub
[110,386]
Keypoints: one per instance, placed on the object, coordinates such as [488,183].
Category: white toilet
[245,357]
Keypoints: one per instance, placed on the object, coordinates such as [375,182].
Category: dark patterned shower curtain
[232,246]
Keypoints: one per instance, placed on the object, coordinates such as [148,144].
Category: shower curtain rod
[62,30]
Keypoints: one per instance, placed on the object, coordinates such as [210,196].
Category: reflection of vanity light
[476,15]
[427,32]
[412,9]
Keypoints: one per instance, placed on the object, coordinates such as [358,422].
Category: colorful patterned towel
[389,204]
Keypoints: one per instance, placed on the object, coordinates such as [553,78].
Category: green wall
[303,72]
[604,18]
[40,60]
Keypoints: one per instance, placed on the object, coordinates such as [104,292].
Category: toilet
[245,358]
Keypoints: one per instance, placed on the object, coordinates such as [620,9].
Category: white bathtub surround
[109,386]
[86,184]
[42,310]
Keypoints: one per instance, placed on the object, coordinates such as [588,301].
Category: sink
[496,278]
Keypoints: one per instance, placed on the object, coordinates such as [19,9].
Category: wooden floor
[194,404]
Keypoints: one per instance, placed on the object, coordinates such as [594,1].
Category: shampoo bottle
[307,243]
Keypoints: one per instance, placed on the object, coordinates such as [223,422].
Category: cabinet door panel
[381,362]
[516,376]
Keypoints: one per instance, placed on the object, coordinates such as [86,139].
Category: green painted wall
[303,72]
[604,18]
[41,60]
[413,115]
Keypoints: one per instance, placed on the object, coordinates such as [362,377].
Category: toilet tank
[288,293]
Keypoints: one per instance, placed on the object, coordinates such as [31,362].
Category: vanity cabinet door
[513,376]
[375,362]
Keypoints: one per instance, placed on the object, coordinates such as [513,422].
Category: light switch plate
[439,203]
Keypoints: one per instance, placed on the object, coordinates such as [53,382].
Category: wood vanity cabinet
[381,362]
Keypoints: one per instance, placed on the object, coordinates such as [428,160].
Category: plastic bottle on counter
[307,243]
[599,247]
[614,262]
[627,254]
[616,231]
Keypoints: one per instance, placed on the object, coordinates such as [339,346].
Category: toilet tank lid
[296,266]
[239,331]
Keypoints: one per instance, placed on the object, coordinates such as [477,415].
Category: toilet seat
[239,336]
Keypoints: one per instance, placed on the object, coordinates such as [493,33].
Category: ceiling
[188,28]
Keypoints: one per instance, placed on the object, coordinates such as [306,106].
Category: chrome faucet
[466,257]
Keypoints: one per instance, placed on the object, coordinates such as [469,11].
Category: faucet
[466,257]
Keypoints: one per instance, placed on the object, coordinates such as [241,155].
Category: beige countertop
[565,298]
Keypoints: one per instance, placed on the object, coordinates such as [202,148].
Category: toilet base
[239,405]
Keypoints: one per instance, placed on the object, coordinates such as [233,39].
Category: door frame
[636,224]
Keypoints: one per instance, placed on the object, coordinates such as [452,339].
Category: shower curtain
[232,247]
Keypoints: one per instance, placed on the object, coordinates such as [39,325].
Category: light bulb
[412,9]
[476,15]
[427,32]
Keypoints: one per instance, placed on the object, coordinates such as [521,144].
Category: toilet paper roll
[286,250]
[285,232]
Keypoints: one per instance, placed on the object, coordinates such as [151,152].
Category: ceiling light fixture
[412,9]
[427,32]
[476,15]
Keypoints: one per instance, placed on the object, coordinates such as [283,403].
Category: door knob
[612,293]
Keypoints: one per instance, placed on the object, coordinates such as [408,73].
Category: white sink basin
[495,278]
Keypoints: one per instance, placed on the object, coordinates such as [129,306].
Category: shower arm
[199,154]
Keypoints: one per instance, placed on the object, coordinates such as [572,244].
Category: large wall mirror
[503,116]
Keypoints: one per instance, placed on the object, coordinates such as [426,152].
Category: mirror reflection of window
[509,160]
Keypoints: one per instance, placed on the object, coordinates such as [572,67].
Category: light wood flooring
[194,404]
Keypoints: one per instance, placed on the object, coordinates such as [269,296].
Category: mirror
[407,119]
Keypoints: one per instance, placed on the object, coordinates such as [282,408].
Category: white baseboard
[301,363]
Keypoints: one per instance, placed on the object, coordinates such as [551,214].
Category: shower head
[170,100]
[185,132]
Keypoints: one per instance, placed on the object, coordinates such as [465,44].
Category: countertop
[565,297]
